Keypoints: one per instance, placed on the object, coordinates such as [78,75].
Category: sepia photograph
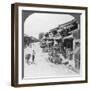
[49,44]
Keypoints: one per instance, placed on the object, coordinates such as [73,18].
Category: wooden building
[61,39]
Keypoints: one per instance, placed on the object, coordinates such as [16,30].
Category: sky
[43,22]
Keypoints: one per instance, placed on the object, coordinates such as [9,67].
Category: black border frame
[14,44]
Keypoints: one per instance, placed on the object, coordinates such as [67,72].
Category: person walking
[33,56]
